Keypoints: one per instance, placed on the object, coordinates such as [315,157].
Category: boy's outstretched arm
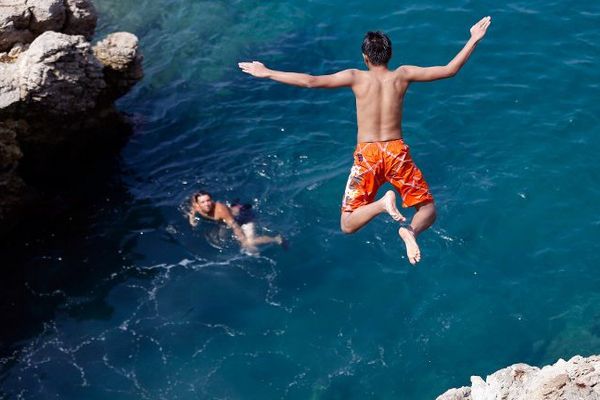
[339,79]
[423,74]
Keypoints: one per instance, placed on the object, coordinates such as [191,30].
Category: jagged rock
[463,393]
[118,52]
[14,21]
[60,74]
[576,379]
[46,15]
[81,18]
[16,51]
[9,85]
[21,21]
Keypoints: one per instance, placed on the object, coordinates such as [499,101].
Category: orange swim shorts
[378,162]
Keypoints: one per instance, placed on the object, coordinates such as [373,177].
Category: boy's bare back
[379,98]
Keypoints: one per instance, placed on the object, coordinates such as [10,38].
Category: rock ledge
[576,379]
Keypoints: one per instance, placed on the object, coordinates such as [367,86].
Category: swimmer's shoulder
[221,211]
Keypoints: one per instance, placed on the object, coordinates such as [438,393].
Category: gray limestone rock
[117,51]
[119,54]
[576,379]
[21,21]
[46,15]
[81,18]
[15,18]
[9,86]
[60,74]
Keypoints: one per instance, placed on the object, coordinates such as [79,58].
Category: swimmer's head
[377,48]
[204,201]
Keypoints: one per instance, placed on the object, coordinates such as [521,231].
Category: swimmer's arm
[192,218]
[426,74]
[339,79]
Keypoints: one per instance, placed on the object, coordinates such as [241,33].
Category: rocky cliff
[56,92]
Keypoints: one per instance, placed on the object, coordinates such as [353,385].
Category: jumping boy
[381,155]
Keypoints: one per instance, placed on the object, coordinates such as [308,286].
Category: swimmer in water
[381,154]
[238,217]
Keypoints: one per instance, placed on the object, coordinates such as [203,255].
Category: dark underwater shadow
[68,240]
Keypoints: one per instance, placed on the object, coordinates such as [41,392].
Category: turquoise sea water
[125,301]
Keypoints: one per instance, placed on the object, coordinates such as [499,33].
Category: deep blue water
[130,302]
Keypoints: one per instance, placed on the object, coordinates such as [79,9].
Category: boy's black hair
[200,193]
[377,46]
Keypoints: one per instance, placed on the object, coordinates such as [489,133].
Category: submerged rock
[56,90]
[576,379]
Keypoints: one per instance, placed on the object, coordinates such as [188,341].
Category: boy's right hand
[478,30]
[254,68]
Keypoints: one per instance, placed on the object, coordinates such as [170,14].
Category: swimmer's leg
[352,221]
[423,219]
[267,239]
[249,230]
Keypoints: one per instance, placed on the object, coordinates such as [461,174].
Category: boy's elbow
[310,82]
[451,71]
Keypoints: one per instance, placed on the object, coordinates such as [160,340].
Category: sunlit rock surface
[576,379]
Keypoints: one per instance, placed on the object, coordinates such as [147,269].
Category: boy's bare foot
[389,202]
[280,240]
[412,248]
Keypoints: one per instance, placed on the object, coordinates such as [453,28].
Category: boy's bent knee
[432,210]
[345,227]
[347,230]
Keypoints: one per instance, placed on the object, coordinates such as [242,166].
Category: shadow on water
[69,242]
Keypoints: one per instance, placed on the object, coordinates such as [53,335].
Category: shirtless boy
[381,154]
[243,227]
